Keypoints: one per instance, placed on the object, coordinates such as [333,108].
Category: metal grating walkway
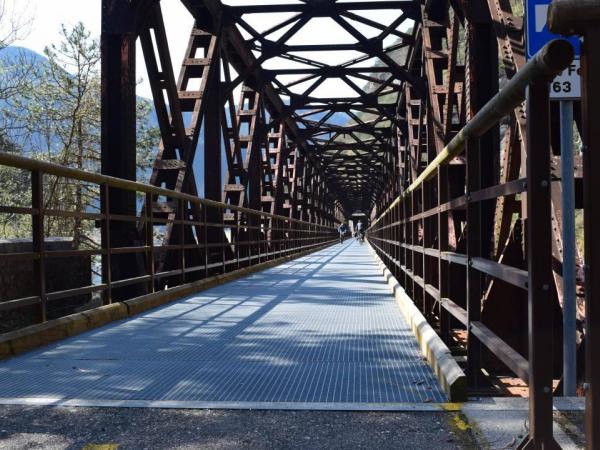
[322,328]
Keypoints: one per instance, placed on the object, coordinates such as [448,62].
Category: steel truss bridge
[460,180]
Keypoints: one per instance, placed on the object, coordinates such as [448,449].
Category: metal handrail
[282,236]
[21,162]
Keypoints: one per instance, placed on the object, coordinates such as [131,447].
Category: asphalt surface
[23,427]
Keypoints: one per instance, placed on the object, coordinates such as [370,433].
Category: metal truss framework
[292,149]
[339,151]
[459,243]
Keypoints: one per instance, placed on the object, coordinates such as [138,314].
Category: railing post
[583,18]
[182,215]
[257,236]
[292,236]
[150,241]
[106,244]
[280,236]
[425,231]
[539,258]
[37,230]
[405,240]
[414,239]
[395,220]
[590,63]
[205,238]
[269,226]
[442,217]
[385,244]
[223,239]
[237,238]
[474,278]
[289,243]
[391,239]
[272,223]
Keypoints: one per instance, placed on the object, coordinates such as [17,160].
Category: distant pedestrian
[360,231]
[342,229]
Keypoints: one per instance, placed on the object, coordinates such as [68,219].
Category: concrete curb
[39,335]
[450,375]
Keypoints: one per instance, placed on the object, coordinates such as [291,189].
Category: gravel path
[131,428]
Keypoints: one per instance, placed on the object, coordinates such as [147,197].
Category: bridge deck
[322,328]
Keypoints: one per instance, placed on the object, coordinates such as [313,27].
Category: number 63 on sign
[567,86]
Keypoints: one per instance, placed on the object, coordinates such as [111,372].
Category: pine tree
[59,119]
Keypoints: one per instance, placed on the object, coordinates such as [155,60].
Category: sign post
[565,88]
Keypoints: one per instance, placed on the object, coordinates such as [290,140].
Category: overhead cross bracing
[337,98]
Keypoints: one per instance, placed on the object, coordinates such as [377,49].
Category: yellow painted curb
[5,350]
[78,323]
[101,447]
[105,314]
[438,355]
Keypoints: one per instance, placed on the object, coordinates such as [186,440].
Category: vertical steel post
[205,238]
[237,240]
[474,249]
[118,152]
[590,69]
[568,240]
[481,84]
[150,241]
[414,239]
[424,241]
[405,240]
[259,234]
[539,260]
[213,187]
[181,206]
[37,238]
[105,237]
[223,238]
[442,218]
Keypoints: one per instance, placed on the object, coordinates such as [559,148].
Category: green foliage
[518,7]
[57,118]
[14,193]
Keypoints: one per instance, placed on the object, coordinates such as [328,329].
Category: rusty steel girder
[293,149]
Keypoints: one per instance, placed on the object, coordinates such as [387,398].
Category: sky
[46,17]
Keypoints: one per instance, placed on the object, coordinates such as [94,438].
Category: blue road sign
[537,29]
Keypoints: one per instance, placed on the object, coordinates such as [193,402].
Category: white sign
[567,86]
